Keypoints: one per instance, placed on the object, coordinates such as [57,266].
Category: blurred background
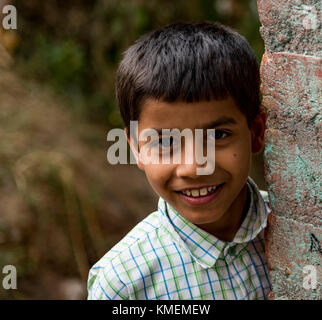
[62,205]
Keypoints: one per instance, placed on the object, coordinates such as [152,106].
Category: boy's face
[219,209]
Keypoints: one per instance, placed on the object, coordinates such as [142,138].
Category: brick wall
[291,86]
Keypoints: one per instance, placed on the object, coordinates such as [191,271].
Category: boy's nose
[187,170]
[188,166]
[193,166]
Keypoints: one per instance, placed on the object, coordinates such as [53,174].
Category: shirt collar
[204,247]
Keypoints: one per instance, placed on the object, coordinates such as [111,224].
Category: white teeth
[203,191]
[199,192]
[195,192]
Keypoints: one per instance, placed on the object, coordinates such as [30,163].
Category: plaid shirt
[167,257]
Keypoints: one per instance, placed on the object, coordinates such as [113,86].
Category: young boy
[206,240]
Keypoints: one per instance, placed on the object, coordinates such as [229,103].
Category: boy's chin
[199,215]
[212,218]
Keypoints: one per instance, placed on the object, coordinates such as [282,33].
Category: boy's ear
[258,130]
[134,148]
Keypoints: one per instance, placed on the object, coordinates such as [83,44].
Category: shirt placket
[229,254]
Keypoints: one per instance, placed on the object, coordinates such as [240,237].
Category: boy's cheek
[157,175]
[230,158]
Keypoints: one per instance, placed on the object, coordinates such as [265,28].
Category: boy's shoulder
[134,253]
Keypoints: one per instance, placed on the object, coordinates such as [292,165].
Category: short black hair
[190,62]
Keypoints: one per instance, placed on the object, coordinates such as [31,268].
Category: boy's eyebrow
[219,122]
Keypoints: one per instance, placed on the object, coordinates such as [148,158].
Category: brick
[291,88]
[292,93]
[293,177]
[291,26]
[291,246]
[290,287]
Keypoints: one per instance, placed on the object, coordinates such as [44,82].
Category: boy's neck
[226,228]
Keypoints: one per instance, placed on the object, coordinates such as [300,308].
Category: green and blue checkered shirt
[167,257]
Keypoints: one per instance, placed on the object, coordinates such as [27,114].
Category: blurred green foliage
[63,64]
[74,46]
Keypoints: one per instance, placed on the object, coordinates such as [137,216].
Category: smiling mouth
[199,192]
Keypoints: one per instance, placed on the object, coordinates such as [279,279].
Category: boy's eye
[219,134]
